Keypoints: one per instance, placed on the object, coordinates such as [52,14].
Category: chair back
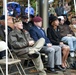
[3,46]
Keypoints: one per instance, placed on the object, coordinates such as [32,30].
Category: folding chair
[23,59]
[11,61]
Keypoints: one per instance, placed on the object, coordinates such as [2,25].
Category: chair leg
[2,70]
[22,68]
[34,65]
[18,69]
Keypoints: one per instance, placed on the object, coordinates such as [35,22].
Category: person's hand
[49,44]
[61,43]
[69,35]
[31,43]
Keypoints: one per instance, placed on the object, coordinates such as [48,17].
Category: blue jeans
[71,41]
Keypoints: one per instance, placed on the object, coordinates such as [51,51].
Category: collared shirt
[41,31]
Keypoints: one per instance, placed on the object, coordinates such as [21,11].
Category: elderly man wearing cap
[53,52]
[24,46]
[25,22]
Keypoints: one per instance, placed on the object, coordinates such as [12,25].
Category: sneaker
[72,54]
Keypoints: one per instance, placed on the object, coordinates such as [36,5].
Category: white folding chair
[11,61]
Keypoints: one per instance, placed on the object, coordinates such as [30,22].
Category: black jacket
[2,33]
[26,26]
[54,35]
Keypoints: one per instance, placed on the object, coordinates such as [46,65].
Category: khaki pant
[37,61]
[39,65]
[37,46]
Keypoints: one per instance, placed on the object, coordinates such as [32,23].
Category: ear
[34,22]
[15,24]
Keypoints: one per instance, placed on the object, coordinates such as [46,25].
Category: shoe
[59,67]
[35,55]
[72,54]
[28,63]
[52,70]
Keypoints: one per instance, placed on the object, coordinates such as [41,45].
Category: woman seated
[55,37]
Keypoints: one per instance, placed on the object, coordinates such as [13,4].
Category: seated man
[2,36]
[73,25]
[24,45]
[67,35]
[25,22]
[53,52]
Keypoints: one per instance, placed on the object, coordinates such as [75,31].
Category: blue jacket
[36,34]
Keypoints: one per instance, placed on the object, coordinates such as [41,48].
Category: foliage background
[33,3]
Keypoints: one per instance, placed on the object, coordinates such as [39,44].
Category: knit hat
[61,17]
[52,18]
[37,19]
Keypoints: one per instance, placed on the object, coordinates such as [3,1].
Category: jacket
[2,33]
[73,28]
[54,35]
[64,30]
[18,39]
[36,34]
